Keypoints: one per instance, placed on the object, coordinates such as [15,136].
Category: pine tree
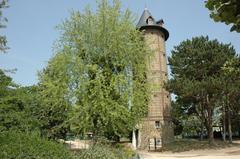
[196,70]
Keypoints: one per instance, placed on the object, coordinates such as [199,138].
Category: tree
[196,67]
[177,114]
[53,95]
[3,40]
[231,86]
[16,106]
[227,11]
[98,75]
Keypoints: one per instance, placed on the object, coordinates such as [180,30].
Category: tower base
[152,134]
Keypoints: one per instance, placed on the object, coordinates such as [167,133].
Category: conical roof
[142,23]
[143,20]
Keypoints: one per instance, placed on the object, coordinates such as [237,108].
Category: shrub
[104,152]
[16,145]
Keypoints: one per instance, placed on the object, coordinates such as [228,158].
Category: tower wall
[158,122]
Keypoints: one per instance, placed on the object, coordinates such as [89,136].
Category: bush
[15,145]
[104,152]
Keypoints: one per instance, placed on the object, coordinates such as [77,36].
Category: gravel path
[226,153]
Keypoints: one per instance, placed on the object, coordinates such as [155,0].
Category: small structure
[156,129]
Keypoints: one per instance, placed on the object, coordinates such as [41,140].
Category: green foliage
[54,103]
[177,114]
[191,126]
[231,68]
[3,40]
[16,106]
[25,146]
[98,75]
[196,67]
[185,121]
[230,92]
[96,152]
[227,11]
[104,152]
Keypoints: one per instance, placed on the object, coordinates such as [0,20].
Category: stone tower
[156,129]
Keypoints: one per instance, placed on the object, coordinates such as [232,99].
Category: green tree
[53,94]
[230,92]
[196,68]
[3,40]
[177,115]
[98,73]
[227,11]
[16,105]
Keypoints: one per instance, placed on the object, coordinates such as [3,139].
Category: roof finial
[145,5]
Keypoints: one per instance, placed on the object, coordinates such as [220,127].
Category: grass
[181,145]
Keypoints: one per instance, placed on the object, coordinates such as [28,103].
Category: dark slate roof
[142,23]
[143,20]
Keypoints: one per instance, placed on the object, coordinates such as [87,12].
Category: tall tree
[227,11]
[53,93]
[99,70]
[231,86]
[196,67]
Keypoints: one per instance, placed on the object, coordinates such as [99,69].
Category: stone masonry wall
[159,106]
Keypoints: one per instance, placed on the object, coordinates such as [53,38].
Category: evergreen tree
[230,92]
[196,70]
[227,11]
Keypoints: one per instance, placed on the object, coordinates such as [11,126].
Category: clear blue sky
[31,29]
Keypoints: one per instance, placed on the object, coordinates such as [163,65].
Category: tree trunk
[229,125]
[210,122]
[224,123]
[210,132]
[201,135]
[201,116]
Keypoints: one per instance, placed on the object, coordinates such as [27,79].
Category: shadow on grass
[181,145]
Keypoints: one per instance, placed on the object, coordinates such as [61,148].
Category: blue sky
[31,29]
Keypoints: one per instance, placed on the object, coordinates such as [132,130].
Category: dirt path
[226,153]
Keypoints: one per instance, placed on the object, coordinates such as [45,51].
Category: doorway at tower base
[136,140]
[149,137]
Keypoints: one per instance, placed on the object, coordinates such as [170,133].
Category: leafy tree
[98,74]
[53,92]
[3,40]
[227,11]
[196,68]
[15,106]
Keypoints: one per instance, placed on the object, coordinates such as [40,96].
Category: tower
[156,128]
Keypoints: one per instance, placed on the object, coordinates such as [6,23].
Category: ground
[232,152]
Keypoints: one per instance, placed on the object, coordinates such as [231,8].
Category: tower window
[157,124]
[150,20]
[158,142]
